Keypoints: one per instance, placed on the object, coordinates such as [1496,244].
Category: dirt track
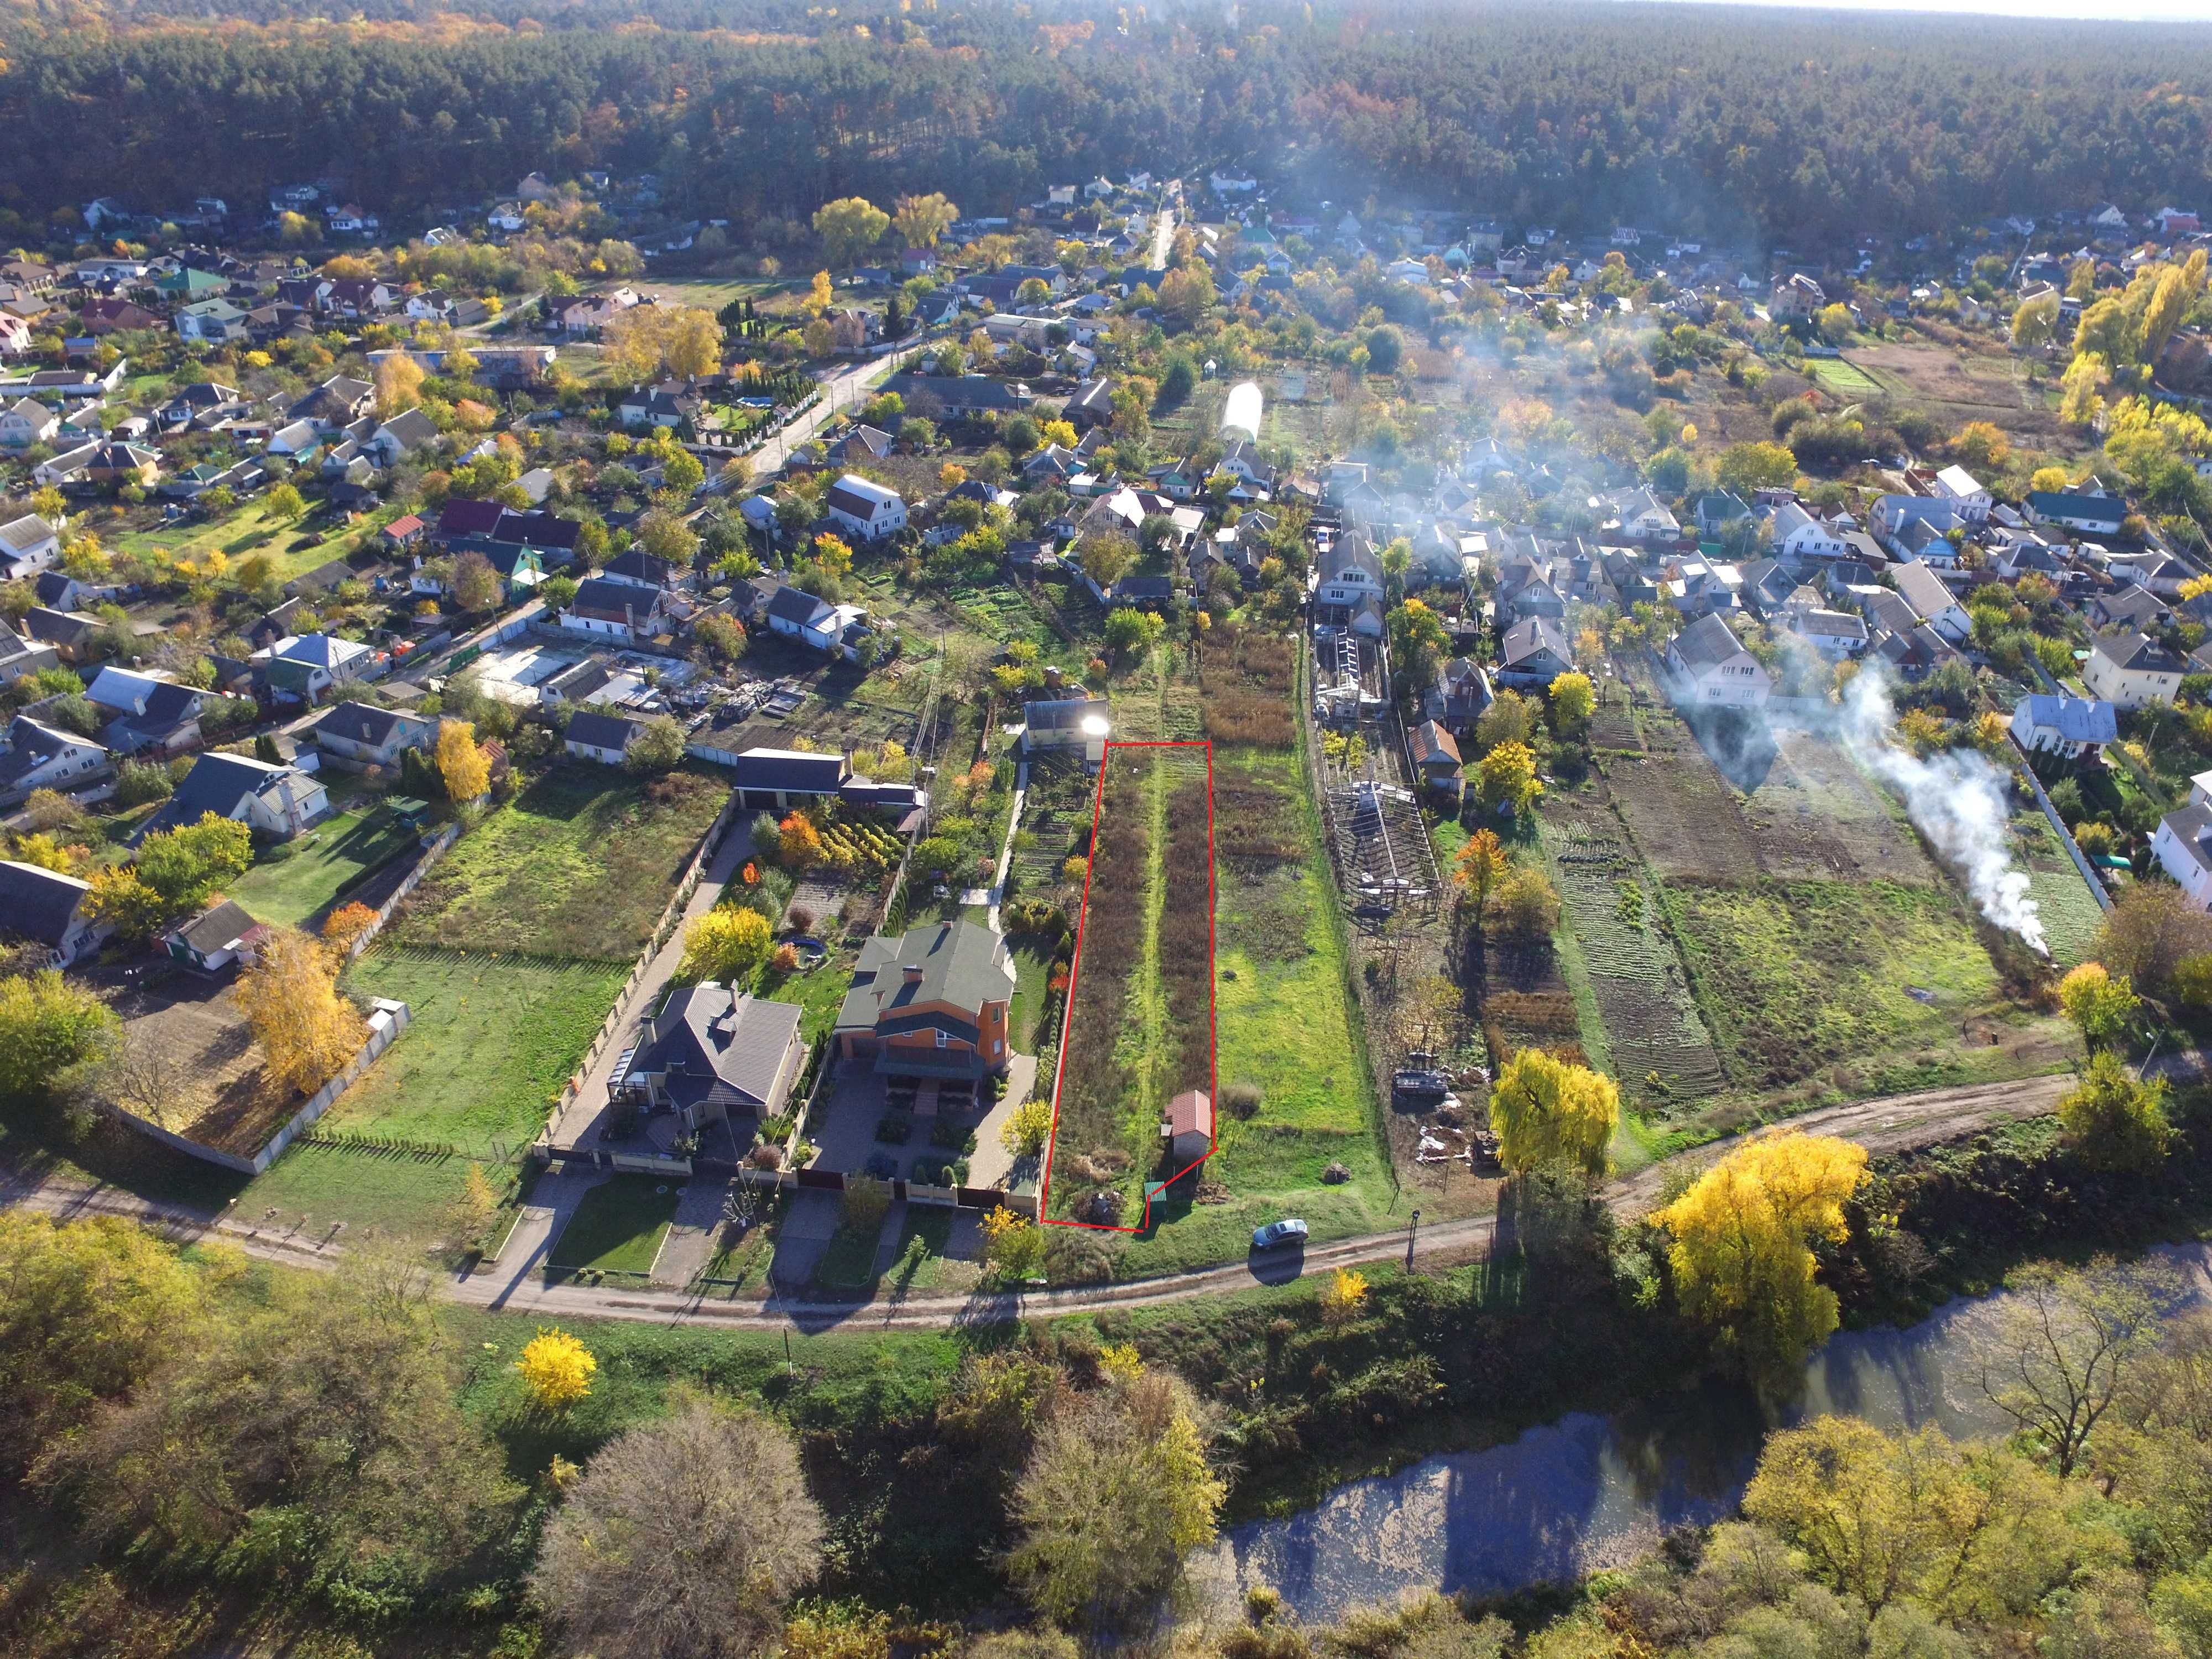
[1894,1124]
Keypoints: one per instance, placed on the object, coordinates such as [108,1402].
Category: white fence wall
[384,1025]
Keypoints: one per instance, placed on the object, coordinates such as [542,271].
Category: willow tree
[1742,1253]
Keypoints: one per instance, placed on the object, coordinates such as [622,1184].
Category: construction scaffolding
[1378,842]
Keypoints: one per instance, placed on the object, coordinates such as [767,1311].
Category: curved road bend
[1892,1124]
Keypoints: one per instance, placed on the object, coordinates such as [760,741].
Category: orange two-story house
[930,1003]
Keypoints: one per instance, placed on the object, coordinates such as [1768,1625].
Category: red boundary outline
[1074,977]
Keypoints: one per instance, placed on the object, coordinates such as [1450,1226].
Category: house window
[940,1039]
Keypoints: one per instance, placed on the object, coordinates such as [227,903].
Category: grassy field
[252,529]
[401,1193]
[488,1047]
[1797,975]
[640,1362]
[1839,374]
[712,293]
[617,1227]
[580,864]
[295,880]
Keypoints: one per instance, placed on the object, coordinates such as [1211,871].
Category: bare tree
[149,1077]
[2063,1343]
[684,1541]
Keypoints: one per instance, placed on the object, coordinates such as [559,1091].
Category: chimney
[912,972]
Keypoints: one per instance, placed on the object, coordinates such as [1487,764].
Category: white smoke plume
[1956,798]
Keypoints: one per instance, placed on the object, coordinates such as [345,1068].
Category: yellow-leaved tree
[1116,1495]
[728,943]
[1013,1244]
[461,765]
[398,383]
[307,1030]
[1574,699]
[2099,1004]
[1481,865]
[1742,1253]
[1506,776]
[557,1369]
[1549,1110]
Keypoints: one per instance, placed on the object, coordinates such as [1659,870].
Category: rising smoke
[1956,798]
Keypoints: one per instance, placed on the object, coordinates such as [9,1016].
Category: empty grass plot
[490,1042]
[1140,1031]
[580,864]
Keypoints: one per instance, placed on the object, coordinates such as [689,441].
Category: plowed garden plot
[2070,913]
[1681,811]
[1815,817]
[1659,1045]
[1139,1026]
[1526,1002]
[1792,977]
[1612,723]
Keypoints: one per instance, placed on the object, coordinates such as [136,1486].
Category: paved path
[1163,231]
[840,393]
[1894,1124]
[1007,851]
[574,1126]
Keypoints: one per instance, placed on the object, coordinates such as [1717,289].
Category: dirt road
[1896,1123]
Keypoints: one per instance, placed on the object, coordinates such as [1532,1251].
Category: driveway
[578,1126]
[844,1122]
[693,1235]
[519,1267]
[992,1165]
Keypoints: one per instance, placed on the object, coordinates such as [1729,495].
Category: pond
[1588,1491]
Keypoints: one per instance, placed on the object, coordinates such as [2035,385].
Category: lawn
[252,529]
[314,1187]
[1793,976]
[295,880]
[488,1046]
[1032,968]
[849,1262]
[580,864]
[1838,375]
[617,1227]
[821,994]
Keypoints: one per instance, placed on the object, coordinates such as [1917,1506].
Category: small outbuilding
[1188,1128]
[223,935]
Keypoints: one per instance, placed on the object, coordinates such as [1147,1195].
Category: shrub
[1241,1101]
[865,1202]
[138,782]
